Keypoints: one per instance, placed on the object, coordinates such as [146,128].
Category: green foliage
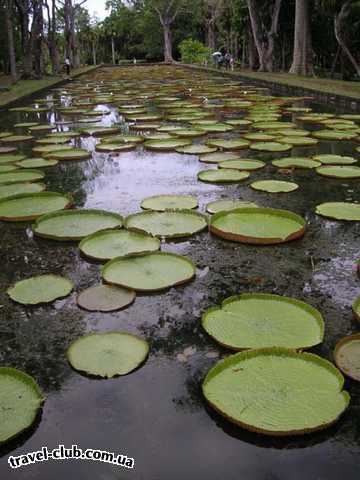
[193,51]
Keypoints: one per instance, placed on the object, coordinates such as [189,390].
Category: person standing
[67,66]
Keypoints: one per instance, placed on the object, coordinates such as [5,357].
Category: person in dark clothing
[67,66]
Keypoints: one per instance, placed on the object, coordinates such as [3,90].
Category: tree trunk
[338,25]
[253,54]
[168,58]
[302,57]
[113,50]
[210,36]
[94,51]
[37,38]
[10,37]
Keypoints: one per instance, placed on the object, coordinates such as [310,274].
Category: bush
[193,51]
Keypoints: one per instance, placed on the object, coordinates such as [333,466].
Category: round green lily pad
[218,157]
[5,134]
[53,141]
[334,135]
[347,356]
[242,164]
[334,159]
[20,401]
[6,159]
[226,205]
[189,133]
[9,167]
[238,122]
[233,144]
[41,128]
[259,137]
[105,298]
[48,149]
[75,224]
[215,127]
[161,203]
[17,138]
[339,171]
[274,125]
[115,147]
[29,206]
[225,175]
[299,141]
[168,224]
[109,244]
[276,391]
[274,186]
[340,211]
[151,272]
[197,149]
[271,146]
[4,150]
[258,320]
[123,139]
[166,144]
[100,131]
[296,162]
[36,163]
[73,154]
[17,188]
[107,354]
[264,226]
[21,176]
[40,289]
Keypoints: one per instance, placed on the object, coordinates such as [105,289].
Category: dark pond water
[157,414]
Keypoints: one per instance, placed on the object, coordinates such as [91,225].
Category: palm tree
[303,54]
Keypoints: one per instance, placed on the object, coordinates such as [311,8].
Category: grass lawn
[26,87]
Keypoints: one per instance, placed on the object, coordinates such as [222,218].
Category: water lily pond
[139,200]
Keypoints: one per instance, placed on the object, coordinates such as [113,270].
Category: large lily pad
[225,175]
[10,167]
[196,149]
[347,356]
[73,154]
[218,157]
[258,225]
[29,206]
[40,289]
[20,401]
[9,159]
[166,145]
[17,139]
[115,147]
[161,203]
[327,159]
[168,224]
[274,186]
[21,176]
[105,298]
[149,273]
[75,224]
[340,211]
[107,354]
[262,320]
[334,135]
[276,391]
[339,171]
[226,205]
[17,188]
[242,164]
[271,146]
[109,244]
[233,144]
[299,141]
[36,163]
[296,162]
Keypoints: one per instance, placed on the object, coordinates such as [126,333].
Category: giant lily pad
[274,186]
[242,164]
[258,225]
[21,176]
[339,171]
[347,356]
[166,145]
[8,168]
[107,354]
[73,154]
[327,159]
[105,298]
[40,289]
[225,175]
[17,188]
[262,320]
[218,157]
[226,205]
[149,273]
[29,206]
[340,211]
[277,391]
[299,141]
[233,144]
[36,163]
[196,149]
[20,401]
[108,244]
[114,147]
[334,135]
[75,224]
[271,146]
[6,159]
[161,203]
[168,224]
[296,162]
[45,150]
[17,139]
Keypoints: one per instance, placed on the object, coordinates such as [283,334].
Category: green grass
[27,87]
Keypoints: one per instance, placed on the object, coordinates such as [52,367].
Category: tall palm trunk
[10,37]
[338,25]
[302,57]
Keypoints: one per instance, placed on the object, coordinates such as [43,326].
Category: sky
[98,7]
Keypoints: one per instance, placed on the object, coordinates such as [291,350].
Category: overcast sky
[96,7]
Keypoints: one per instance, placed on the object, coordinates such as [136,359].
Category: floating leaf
[73,154]
[242,164]
[233,144]
[160,203]
[40,289]
[21,176]
[226,205]
[340,211]
[17,188]
[296,162]
[36,163]
[218,157]
[257,320]
[29,206]
[347,356]
[339,171]
[276,391]
[334,135]
[105,298]
[270,146]
[274,186]
[197,149]
[149,273]
[107,354]
[225,175]
[334,159]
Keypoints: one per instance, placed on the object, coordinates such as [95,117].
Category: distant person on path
[67,66]
[227,59]
[218,58]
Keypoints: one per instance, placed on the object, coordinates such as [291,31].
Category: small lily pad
[161,203]
[197,149]
[242,164]
[73,154]
[21,176]
[326,159]
[296,162]
[339,171]
[225,175]
[334,135]
[105,298]
[7,191]
[233,144]
[40,289]
[36,163]
[226,205]
[218,157]
[340,211]
[271,146]
[347,356]
[274,186]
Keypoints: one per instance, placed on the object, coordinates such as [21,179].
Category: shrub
[193,51]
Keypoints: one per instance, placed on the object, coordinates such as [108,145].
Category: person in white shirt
[67,65]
